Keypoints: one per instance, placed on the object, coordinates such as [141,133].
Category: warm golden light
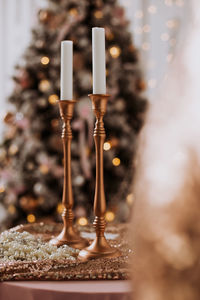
[82,221]
[53,99]
[44,60]
[2,189]
[31,218]
[116,161]
[60,208]
[106,146]
[44,85]
[13,149]
[44,169]
[11,209]
[73,12]
[109,216]
[129,199]
[98,14]
[115,51]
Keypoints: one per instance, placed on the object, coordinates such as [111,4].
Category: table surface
[64,290]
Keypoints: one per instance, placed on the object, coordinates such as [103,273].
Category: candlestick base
[71,238]
[98,249]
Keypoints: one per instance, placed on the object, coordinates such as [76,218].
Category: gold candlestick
[68,235]
[99,247]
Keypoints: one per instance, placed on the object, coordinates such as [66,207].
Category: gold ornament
[115,51]
[44,60]
[53,99]
[116,161]
[44,85]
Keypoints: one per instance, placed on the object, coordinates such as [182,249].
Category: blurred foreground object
[166,222]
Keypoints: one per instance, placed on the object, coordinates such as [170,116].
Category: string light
[139,14]
[44,169]
[73,12]
[109,216]
[44,85]
[115,51]
[152,9]
[60,208]
[53,99]
[138,30]
[13,149]
[171,23]
[168,2]
[31,218]
[11,209]
[116,161]
[146,28]
[98,14]
[82,221]
[164,37]
[2,189]
[44,60]
[152,83]
[129,199]
[145,46]
[107,146]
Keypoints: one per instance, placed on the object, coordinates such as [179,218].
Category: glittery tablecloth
[98,269]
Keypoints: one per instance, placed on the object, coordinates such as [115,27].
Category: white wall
[16,19]
[156,26]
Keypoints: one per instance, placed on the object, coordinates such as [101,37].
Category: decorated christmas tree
[31,159]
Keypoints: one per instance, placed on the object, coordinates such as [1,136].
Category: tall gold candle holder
[99,247]
[68,234]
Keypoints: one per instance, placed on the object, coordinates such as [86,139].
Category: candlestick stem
[68,235]
[100,246]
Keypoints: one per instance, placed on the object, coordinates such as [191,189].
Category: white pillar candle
[98,60]
[66,83]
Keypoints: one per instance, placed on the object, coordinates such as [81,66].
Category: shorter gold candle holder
[99,247]
[69,234]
